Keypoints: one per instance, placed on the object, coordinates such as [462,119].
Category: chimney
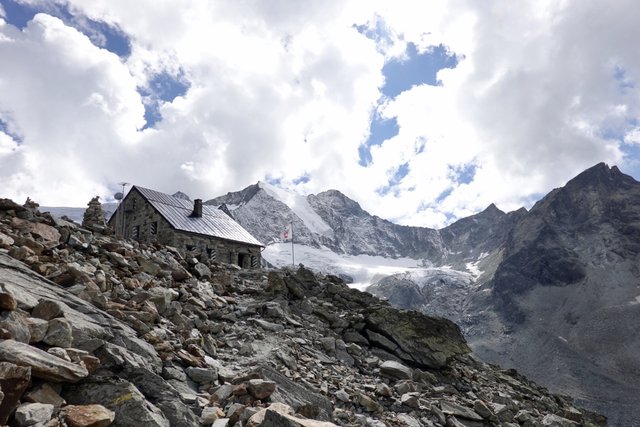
[197,208]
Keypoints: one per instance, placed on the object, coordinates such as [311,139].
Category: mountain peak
[492,209]
[601,175]
[181,195]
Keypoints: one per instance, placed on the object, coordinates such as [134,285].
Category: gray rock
[162,298]
[202,271]
[167,398]
[268,326]
[381,341]
[48,309]
[43,365]
[395,370]
[450,408]
[33,413]
[14,323]
[274,418]
[119,396]
[342,395]
[369,404]
[37,328]
[59,333]
[410,399]
[44,393]
[408,420]
[261,389]
[553,420]
[202,375]
[481,408]
[423,340]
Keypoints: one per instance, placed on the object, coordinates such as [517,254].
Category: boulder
[33,413]
[395,370]
[44,393]
[276,419]
[120,396]
[281,415]
[88,416]
[48,309]
[261,389]
[43,365]
[553,420]
[59,333]
[459,411]
[422,340]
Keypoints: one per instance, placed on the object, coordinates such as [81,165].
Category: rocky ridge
[97,331]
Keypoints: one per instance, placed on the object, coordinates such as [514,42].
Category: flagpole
[293,258]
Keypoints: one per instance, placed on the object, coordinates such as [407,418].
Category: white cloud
[287,88]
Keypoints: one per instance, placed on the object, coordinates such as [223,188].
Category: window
[154,228]
[212,254]
[136,232]
[190,247]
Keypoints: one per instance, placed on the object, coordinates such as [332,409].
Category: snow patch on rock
[300,206]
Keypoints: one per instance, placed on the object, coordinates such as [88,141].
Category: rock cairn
[94,216]
[96,331]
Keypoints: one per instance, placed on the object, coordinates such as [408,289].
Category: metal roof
[213,221]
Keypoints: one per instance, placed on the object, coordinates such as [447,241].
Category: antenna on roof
[119,196]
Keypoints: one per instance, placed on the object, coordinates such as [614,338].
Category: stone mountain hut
[150,216]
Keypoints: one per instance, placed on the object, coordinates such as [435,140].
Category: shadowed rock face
[549,246]
[425,341]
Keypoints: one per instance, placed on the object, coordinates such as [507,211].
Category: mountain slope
[558,291]
[570,285]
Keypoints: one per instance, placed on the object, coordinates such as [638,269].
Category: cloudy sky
[422,111]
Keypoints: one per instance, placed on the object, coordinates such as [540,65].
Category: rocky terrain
[95,331]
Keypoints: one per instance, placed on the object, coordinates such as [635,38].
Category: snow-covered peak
[300,206]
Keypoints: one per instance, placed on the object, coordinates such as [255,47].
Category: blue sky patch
[378,32]
[273,181]
[303,179]
[5,128]
[162,87]
[416,69]
[465,174]
[624,83]
[18,14]
[100,33]
[444,195]
[401,75]
[400,172]
[632,160]
[379,131]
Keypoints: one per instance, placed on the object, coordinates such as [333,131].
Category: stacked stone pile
[94,218]
[95,331]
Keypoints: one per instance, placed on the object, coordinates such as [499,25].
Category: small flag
[286,234]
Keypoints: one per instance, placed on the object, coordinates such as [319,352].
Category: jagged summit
[181,195]
[601,175]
